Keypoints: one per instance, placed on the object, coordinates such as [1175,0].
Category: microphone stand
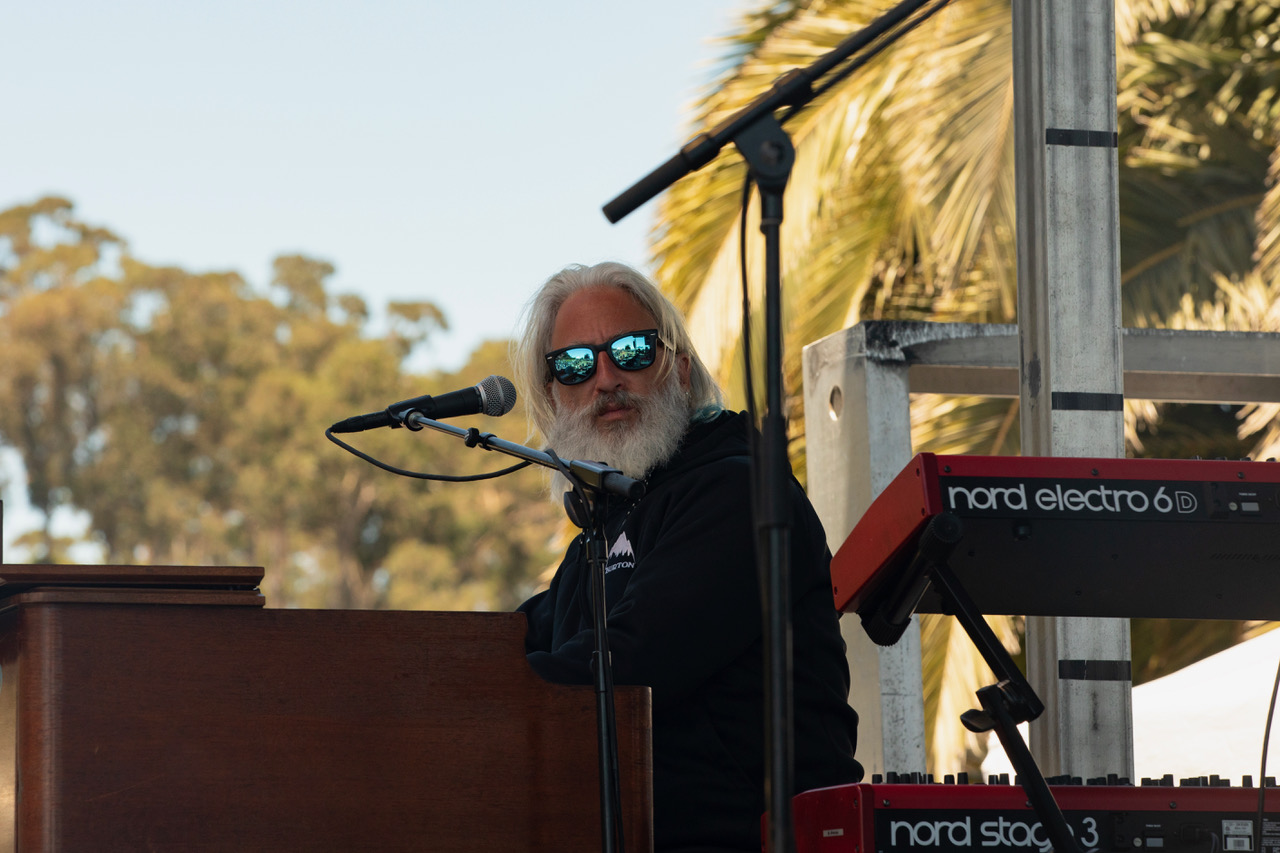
[586,508]
[770,154]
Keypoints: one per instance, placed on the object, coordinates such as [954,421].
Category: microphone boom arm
[794,89]
[593,475]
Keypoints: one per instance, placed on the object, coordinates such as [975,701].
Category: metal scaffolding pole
[1072,396]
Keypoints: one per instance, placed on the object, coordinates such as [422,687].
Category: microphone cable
[1262,770]
[473,438]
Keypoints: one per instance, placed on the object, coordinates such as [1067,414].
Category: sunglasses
[629,351]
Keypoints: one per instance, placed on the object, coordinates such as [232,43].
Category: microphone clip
[475,438]
[401,419]
[398,413]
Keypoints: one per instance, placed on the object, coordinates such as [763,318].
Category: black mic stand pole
[591,481]
[587,511]
[769,155]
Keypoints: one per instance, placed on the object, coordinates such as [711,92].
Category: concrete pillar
[857,438]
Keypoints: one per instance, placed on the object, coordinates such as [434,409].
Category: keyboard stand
[1004,704]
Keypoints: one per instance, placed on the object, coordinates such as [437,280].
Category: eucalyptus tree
[59,318]
[182,415]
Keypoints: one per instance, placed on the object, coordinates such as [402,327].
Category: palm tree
[901,202]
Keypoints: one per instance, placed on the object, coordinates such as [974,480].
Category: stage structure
[857,386]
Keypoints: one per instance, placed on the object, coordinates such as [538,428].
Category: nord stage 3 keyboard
[997,819]
[1061,536]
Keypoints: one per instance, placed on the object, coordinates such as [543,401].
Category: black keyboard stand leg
[1004,705]
[995,716]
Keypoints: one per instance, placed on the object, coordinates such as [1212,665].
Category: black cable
[748,376]
[443,478]
[747,373]
[1262,770]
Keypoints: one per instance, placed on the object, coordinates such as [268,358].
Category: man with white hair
[610,375]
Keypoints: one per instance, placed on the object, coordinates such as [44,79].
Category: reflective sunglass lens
[574,365]
[632,352]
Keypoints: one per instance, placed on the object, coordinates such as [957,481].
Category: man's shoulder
[716,443]
[724,435]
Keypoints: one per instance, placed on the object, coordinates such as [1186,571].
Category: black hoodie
[684,618]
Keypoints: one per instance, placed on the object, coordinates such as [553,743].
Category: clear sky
[458,152]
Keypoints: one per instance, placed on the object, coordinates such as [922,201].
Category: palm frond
[1268,251]
[901,201]
[1196,101]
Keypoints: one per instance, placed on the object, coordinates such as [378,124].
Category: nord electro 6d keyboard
[997,819]
[1080,537]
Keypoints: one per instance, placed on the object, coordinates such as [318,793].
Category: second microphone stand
[769,153]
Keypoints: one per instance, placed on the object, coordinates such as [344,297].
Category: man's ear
[683,364]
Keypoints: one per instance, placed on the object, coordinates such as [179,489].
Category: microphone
[494,396]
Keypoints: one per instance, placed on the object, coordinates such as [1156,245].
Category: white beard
[636,448]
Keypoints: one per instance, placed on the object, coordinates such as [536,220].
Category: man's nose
[608,377]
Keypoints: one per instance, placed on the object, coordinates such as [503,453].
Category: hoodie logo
[621,556]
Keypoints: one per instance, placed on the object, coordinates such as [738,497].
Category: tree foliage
[901,201]
[183,414]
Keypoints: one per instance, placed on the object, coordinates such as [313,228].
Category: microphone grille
[497,396]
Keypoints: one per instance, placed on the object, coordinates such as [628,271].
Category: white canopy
[1204,719]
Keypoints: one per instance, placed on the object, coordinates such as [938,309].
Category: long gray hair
[528,351]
